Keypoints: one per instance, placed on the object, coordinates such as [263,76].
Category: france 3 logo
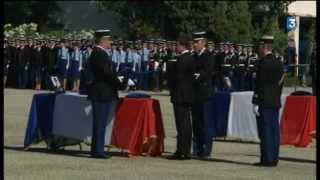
[291,23]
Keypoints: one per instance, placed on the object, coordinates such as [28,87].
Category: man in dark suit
[36,65]
[102,92]
[290,57]
[251,68]
[22,64]
[50,63]
[205,70]
[313,71]
[6,62]
[266,103]
[182,98]
[219,62]
[239,70]
[14,68]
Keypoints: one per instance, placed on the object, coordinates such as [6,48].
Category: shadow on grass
[292,159]
[226,161]
[214,160]
[234,141]
[74,153]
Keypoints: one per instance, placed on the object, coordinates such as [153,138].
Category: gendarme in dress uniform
[266,101]
[102,92]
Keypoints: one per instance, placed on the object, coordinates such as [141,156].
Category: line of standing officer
[103,91]
[180,84]
[204,71]
[267,102]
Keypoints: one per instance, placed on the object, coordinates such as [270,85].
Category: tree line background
[234,21]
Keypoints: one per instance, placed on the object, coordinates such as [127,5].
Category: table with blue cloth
[59,119]
[62,119]
[229,114]
[73,118]
[216,115]
[40,119]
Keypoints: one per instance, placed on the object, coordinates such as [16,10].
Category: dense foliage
[235,21]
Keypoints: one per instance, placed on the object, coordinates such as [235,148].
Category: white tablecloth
[241,120]
[72,118]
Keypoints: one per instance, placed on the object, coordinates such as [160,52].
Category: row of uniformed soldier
[25,62]
[30,63]
[144,62]
[236,67]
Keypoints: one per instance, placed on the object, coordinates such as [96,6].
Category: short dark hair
[291,40]
[268,46]
[183,40]
[97,40]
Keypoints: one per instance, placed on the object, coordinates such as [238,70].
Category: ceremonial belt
[172,60]
[241,65]
[251,68]
[226,65]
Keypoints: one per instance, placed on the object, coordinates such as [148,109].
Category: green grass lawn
[229,161]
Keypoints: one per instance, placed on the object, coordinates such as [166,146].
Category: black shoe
[266,164]
[195,155]
[258,164]
[176,157]
[271,164]
[204,156]
[187,157]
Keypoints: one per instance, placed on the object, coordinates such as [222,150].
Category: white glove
[164,67]
[228,82]
[131,82]
[255,109]
[80,68]
[118,66]
[55,81]
[254,75]
[26,68]
[156,65]
[121,78]
[196,75]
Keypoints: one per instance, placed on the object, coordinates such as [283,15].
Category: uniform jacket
[205,65]
[105,84]
[51,58]
[181,79]
[37,59]
[268,91]
[22,57]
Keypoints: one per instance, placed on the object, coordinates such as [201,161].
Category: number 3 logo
[291,23]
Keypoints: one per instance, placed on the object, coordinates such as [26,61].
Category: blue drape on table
[138,95]
[40,118]
[216,115]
